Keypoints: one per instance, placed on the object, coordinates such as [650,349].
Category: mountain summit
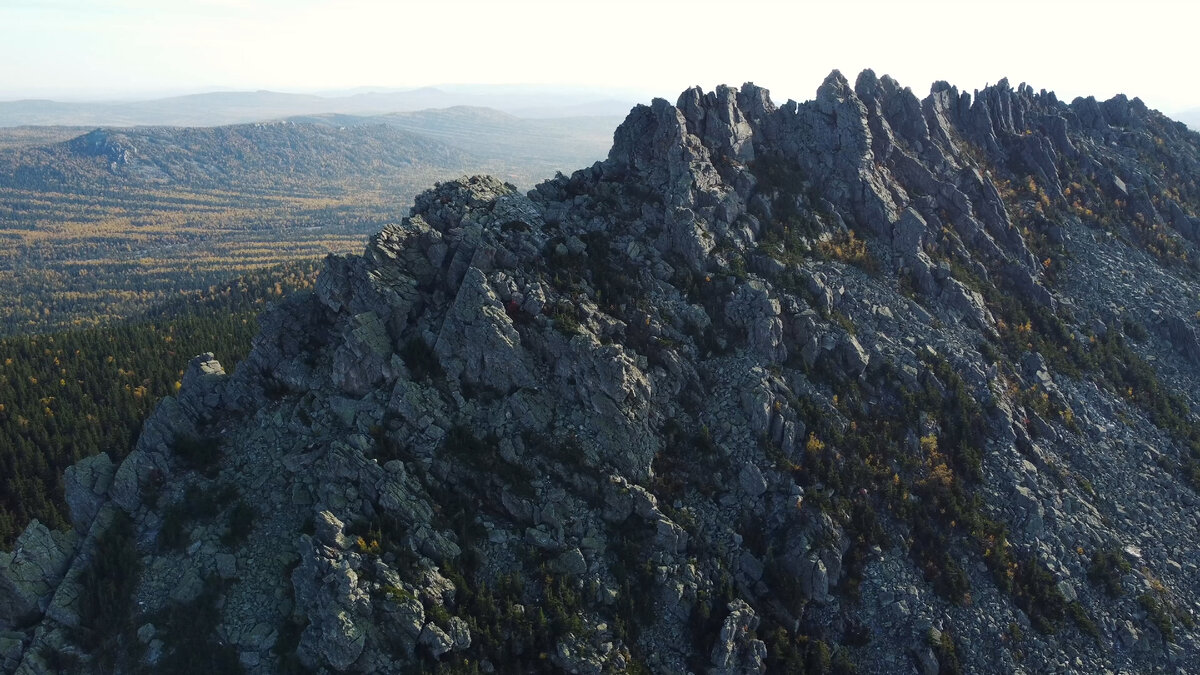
[868,383]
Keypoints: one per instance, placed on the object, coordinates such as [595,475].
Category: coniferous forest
[70,394]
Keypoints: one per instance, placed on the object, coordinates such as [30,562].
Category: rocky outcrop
[327,591]
[876,381]
[733,652]
[86,485]
[32,571]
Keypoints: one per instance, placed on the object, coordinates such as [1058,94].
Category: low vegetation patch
[1106,569]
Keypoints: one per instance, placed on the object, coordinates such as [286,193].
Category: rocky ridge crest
[870,382]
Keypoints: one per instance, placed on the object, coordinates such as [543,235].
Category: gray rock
[226,566]
[329,530]
[750,569]
[334,640]
[670,536]
[11,646]
[202,386]
[188,587]
[1034,511]
[1184,337]
[754,310]
[85,485]
[968,304]
[1127,634]
[814,579]
[734,651]
[571,563]
[327,591]
[460,633]
[852,358]
[752,481]
[436,640]
[478,341]
[31,572]
[362,361]
[928,662]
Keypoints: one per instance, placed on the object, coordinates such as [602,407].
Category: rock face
[867,382]
[32,571]
[87,484]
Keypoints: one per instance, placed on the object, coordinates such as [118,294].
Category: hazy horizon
[572,92]
[89,50]
[544,100]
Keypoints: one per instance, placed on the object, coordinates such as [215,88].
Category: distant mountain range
[306,150]
[232,107]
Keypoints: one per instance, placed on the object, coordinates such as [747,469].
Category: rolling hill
[105,223]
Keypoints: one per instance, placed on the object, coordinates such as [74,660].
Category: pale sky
[107,48]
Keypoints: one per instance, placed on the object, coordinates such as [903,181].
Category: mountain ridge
[100,222]
[863,383]
[242,107]
[354,146]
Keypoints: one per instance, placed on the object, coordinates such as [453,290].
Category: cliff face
[866,382]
